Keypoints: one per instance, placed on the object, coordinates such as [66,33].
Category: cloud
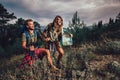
[44,11]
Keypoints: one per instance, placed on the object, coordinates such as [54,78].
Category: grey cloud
[45,10]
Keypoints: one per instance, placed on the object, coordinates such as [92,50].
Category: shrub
[14,48]
[1,51]
[112,47]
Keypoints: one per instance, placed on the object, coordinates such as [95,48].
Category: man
[29,39]
[55,27]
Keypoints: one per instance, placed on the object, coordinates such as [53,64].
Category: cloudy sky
[44,11]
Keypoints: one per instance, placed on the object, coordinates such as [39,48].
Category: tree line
[10,33]
[82,33]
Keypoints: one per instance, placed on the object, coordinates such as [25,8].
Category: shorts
[57,44]
[38,53]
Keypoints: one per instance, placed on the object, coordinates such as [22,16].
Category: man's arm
[24,42]
[24,45]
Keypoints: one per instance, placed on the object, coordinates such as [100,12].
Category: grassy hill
[90,61]
[95,60]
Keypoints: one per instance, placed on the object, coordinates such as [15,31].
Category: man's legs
[27,60]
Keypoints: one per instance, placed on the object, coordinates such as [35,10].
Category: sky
[44,11]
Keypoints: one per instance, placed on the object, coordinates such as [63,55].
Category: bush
[114,67]
[14,48]
[1,51]
[112,47]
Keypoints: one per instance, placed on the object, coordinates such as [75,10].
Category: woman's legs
[61,53]
[41,52]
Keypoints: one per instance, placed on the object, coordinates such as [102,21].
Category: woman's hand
[47,39]
[71,35]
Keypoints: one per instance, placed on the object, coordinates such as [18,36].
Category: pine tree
[5,16]
[75,27]
[20,21]
[6,30]
[76,22]
[118,18]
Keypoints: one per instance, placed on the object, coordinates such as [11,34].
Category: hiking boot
[54,68]
[60,66]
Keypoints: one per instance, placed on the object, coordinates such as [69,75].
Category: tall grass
[77,64]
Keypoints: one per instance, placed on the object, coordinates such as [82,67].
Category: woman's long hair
[55,21]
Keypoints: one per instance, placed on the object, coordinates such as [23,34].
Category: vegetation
[90,58]
[82,33]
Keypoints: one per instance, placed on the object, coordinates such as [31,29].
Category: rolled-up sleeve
[23,37]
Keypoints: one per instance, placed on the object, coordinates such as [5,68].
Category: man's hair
[28,20]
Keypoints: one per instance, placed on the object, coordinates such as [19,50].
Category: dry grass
[82,63]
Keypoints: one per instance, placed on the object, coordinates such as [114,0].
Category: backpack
[24,30]
[31,53]
[28,36]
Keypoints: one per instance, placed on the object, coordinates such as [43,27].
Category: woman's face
[59,21]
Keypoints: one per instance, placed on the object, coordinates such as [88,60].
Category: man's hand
[31,48]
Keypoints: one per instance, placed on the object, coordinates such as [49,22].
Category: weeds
[77,64]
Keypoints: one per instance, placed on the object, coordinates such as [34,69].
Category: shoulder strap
[27,35]
[35,33]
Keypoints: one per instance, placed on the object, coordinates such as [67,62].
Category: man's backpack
[28,36]
[24,30]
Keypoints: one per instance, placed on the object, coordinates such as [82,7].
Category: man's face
[59,21]
[30,25]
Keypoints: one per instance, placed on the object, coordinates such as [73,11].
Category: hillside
[94,60]
[90,61]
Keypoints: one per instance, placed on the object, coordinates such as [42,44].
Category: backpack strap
[28,36]
[35,33]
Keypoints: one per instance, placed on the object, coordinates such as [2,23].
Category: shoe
[60,66]
[54,68]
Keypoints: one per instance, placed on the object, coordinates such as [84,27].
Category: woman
[53,32]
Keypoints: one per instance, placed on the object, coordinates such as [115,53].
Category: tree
[111,25]
[117,22]
[100,24]
[20,21]
[5,28]
[111,21]
[76,28]
[37,25]
[118,18]
[5,16]
[76,21]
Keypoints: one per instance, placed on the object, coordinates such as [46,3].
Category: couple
[29,38]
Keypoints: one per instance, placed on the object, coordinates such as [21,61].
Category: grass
[89,61]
